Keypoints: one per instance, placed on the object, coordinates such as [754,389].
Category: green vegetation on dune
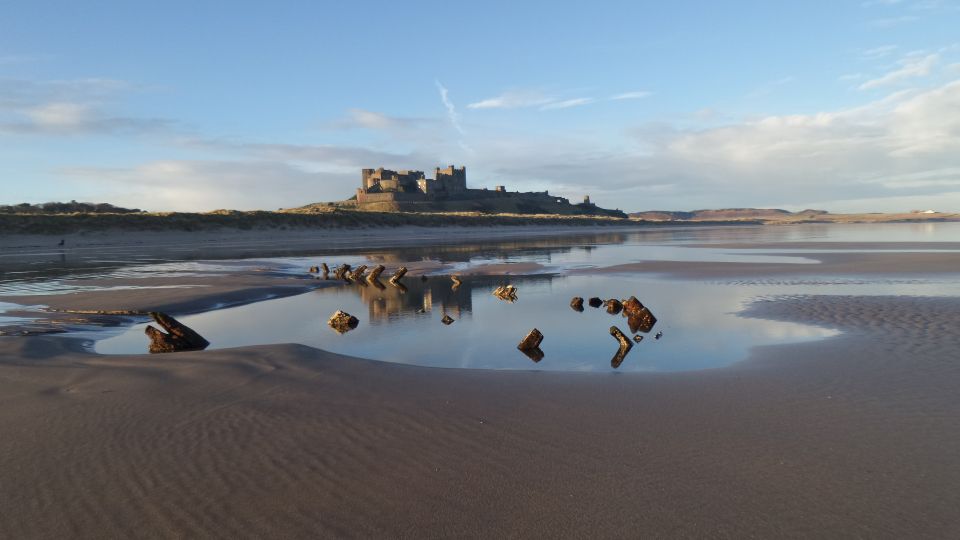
[232,219]
[71,207]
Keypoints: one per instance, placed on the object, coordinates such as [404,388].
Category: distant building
[407,189]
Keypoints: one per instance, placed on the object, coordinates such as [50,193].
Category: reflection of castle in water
[422,298]
[501,250]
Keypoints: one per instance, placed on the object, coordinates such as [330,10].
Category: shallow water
[699,321]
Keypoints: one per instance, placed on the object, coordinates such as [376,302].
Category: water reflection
[406,327]
[416,298]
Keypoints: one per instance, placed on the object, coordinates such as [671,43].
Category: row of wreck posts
[174,336]
[342,321]
[359,275]
[639,319]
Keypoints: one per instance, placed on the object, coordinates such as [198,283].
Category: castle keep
[446,182]
[387,190]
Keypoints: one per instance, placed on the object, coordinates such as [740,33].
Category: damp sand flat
[855,435]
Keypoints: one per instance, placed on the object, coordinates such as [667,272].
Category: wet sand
[829,263]
[854,436]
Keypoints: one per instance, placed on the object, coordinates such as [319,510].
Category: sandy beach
[852,436]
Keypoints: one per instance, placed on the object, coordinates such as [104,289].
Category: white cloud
[567,103]
[878,52]
[196,186]
[906,144]
[373,120]
[512,100]
[68,107]
[640,94]
[527,99]
[890,22]
[770,86]
[59,115]
[911,66]
[452,114]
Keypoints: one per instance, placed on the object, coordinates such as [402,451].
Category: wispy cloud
[890,22]
[79,119]
[768,87]
[69,107]
[513,100]
[200,185]
[516,99]
[452,114]
[881,51]
[373,120]
[639,94]
[872,3]
[911,66]
[567,103]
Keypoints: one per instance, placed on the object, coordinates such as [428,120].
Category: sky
[847,106]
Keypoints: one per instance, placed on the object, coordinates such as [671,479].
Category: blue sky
[842,105]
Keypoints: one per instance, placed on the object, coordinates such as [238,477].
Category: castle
[447,182]
[385,190]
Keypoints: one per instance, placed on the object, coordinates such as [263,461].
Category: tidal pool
[698,321]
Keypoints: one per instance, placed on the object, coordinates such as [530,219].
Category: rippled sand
[853,436]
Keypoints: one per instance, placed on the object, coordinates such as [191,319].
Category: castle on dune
[383,184]
[406,190]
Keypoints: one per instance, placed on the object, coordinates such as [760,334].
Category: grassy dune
[333,218]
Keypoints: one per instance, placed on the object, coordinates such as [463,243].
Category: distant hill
[72,207]
[725,214]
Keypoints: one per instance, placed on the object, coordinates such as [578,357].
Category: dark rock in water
[177,337]
[421,310]
[535,354]
[324,268]
[341,271]
[631,306]
[658,336]
[595,302]
[577,303]
[398,275]
[625,347]
[447,320]
[342,322]
[638,338]
[614,306]
[314,270]
[531,341]
[643,320]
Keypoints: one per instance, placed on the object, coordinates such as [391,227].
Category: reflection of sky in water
[8,319]
[697,317]
[698,320]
